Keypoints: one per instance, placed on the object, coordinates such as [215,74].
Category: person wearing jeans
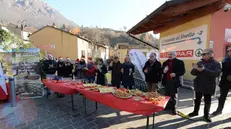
[206,72]
[225,83]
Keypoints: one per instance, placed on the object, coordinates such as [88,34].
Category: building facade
[63,43]
[188,27]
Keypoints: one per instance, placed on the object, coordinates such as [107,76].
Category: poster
[227,35]
[25,66]
[138,59]
[187,44]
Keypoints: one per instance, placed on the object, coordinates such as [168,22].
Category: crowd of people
[90,71]
[169,75]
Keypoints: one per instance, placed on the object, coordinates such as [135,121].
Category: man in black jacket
[206,72]
[152,71]
[172,69]
[225,83]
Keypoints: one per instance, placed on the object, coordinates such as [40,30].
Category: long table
[62,87]
[144,108]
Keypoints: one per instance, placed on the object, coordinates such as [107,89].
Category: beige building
[63,43]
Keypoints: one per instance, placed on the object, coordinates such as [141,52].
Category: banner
[2,80]
[187,44]
[25,65]
[138,59]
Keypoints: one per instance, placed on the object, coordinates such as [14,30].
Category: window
[82,53]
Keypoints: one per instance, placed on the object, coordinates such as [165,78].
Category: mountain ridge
[38,14]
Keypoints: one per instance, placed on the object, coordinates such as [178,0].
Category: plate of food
[136,92]
[153,96]
[105,90]
[138,98]
[121,94]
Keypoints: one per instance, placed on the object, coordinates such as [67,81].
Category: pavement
[56,113]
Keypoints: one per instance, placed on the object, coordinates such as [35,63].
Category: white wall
[24,35]
[82,45]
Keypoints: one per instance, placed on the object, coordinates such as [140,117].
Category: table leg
[47,92]
[85,105]
[72,102]
[153,120]
[147,126]
[96,106]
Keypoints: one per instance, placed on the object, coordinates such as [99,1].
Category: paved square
[56,113]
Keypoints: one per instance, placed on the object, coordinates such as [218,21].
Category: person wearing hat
[172,69]
[82,68]
[50,67]
[90,70]
[68,67]
[206,72]
[76,69]
[225,83]
[60,68]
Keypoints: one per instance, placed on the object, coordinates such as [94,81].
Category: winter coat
[49,66]
[116,73]
[178,68]
[91,70]
[154,72]
[226,71]
[60,68]
[205,81]
[68,67]
[101,79]
[127,77]
[80,70]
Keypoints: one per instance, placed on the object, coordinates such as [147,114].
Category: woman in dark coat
[101,70]
[128,69]
[115,67]
[60,68]
[68,67]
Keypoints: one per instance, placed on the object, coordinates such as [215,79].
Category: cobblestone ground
[56,113]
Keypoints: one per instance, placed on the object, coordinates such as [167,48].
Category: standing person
[50,67]
[206,72]
[101,70]
[76,71]
[90,70]
[60,68]
[68,68]
[225,83]
[115,67]
[173,68]
[81,68]
[128,69]
[152,70]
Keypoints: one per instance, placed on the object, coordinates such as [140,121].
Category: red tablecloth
[137,107]
[64,87]
[3,95]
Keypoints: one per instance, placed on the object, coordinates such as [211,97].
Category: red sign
[46,47]
[181,54]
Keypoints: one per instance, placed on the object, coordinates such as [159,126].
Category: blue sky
[105,13]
